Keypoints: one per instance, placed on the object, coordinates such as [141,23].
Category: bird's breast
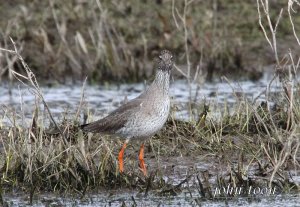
[148,119]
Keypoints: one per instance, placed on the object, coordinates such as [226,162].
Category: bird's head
[165,61]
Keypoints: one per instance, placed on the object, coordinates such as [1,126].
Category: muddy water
[117,198]
[65,100]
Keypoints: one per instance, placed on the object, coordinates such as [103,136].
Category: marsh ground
[240,134]
[238,143]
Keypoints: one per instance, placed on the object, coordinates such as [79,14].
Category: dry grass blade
[249,144]
[30,77]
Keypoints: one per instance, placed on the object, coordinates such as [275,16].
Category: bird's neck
[162,81]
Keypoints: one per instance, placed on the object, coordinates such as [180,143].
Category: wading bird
[142,117]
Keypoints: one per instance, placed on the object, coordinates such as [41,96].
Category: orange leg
[142,162]
[121,155]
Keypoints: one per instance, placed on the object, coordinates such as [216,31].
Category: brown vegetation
[252,146]
[112,40]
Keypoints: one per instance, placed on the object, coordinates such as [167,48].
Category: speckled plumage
[143,116]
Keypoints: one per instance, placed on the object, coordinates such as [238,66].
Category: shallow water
[102,99]
[118,198]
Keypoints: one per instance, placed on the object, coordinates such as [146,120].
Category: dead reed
[77,39]
[252,145]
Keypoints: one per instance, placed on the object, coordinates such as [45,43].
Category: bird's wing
[115,120]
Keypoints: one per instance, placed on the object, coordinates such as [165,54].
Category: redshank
[142,117]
